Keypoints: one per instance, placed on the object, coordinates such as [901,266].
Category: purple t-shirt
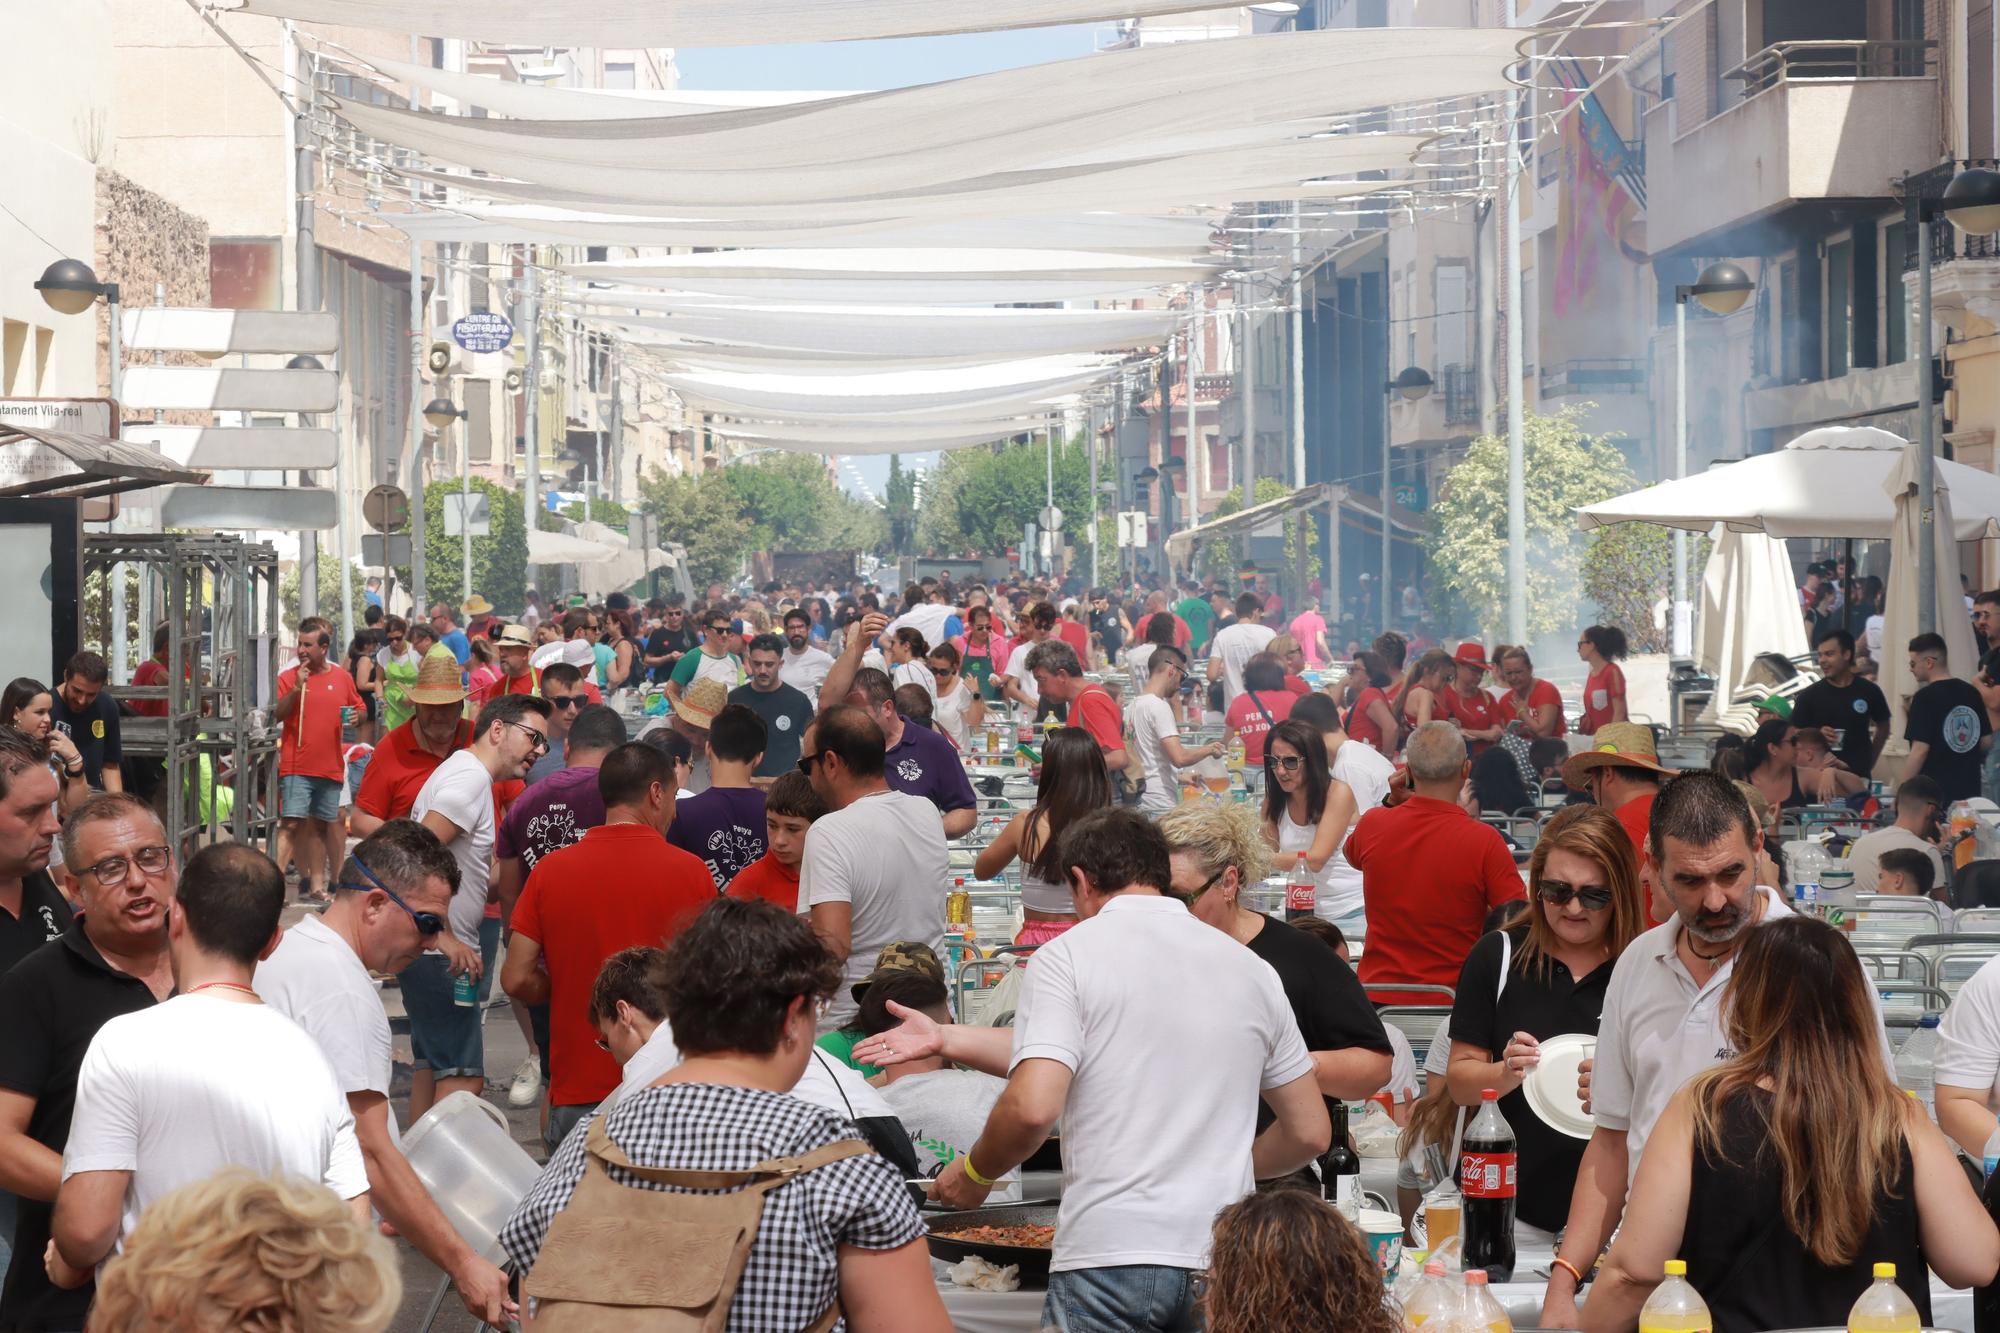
[924,764]
[724,826]
[550,815]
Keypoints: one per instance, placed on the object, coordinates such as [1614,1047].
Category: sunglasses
[537,741]
[940,672]
[1559,894]
[1207,884]
[718,629]
[1286,763]
[566,701]
[427,923]
[806,762]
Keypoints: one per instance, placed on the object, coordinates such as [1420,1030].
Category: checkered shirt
[792,1273]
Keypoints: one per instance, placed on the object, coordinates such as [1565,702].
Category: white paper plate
[1550,1087]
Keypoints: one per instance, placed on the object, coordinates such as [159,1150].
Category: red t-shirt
[1183,636]
[1073,633]
[152,671]
[503,683]
[1598,692]
[1510,709]
[1249,722]
[768,878]
[1429,874]
[1635,815]
[1476,711]
[310,744]
[622,886]
[399,770]
[1097,713]
[1362,727]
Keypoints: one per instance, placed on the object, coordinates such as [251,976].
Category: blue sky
[863,66]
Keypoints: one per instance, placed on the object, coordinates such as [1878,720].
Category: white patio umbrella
[560,548]
[1899,621]
[1748,606]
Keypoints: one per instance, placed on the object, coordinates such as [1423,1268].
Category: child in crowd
[790,807]
[1905,871]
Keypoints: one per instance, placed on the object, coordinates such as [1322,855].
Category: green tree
[1628,568]
[1223,558]
[499,560]
[786,498]
[1007,489]
[1564,470]
[938,530]
[600,511]
[705,515]
[853,524]
[900,501]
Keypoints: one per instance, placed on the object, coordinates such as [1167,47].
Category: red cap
[1489,1095]
[1472,654]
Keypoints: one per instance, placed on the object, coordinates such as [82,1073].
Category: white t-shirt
[1402,1085]
[928,620]
[806,671]
[1866,855]
[944,1112]
[1152,721]
[385,659]
[885,856]
[461,790]
[915,673]
[1235,646]
[1968,1052]
[1367,774]
[948,713]
[1166,1075]
[315,979]
[1017,670]
[826,1082]
[176,1092]
[1139,661]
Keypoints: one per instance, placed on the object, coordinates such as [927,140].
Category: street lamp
[70,287]
[1412,386]
[1971,203]
[1720,289]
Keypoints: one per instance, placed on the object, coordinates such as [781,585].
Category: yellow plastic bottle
[1883,1308]
[1481,1310]
[1431,1300]
[1675,1306]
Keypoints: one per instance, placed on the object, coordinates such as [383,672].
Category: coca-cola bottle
[1486,1179]
[1301,891]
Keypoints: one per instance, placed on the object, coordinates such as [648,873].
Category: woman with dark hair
[743,985]
[1496,786]
[1308,812]
[367,673]
[1769,764]
[907,650]
[1370,718]
[1421,699]
[1602,648]
[1799,1152]
[28,706]
[1284,1262]
[1264,703]
[1073,783]
[983,651]
[1544,977]
[959,707]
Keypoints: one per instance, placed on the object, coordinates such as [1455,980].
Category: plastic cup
[1441,1220]
[1383,1232]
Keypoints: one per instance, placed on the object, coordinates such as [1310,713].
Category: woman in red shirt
[1602,647]
[1371,719]
[1422,698]
[1264,703]
[1535,704]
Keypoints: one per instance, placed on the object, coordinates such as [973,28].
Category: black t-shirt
[1104,624]
[785,711]
[44,914]
[1949,716]
[95,733]
[1854,707]
[55,1000]
[664,641]
[1332,1010]
[1543,1005]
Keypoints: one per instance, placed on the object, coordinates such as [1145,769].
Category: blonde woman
[241,1251]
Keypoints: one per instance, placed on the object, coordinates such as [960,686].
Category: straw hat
[513,636]
[1616,745]
[476,605]
[702,700]
[439,679]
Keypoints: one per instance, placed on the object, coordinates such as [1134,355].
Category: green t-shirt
[1197,614]
[690,666]
[840,1044]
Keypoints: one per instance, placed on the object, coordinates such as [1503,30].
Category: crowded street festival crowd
[1284,893]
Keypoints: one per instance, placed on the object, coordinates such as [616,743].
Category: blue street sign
[483,331]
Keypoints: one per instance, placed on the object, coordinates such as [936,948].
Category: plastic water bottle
[1808,866]
[1989,1156]
[1915,1062]
[1883,1308]
[1675,1306]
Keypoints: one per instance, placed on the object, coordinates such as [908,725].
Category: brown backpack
[624,1259]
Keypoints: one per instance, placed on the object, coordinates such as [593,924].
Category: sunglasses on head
[1558,894]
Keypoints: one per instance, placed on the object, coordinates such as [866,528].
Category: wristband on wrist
[1568,1267]
[972,1172]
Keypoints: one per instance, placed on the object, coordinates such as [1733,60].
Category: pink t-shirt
[1307,627]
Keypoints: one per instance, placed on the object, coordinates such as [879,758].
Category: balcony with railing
[1595,378]
[1947,242]
[1820,122]
[1459,387]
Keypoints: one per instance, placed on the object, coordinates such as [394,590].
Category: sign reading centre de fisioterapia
[483,331]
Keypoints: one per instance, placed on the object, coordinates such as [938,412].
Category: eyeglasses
[1207,884]
[604,1045]
[427,923]
[1286,763]
[564,700]
[113,869]
[539,741]
[1557,893]
[806,762]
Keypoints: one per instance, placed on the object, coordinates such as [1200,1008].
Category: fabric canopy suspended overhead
[596,23]
[889,331]
[890,266]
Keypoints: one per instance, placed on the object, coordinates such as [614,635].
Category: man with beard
[1662,1022]
[805,664]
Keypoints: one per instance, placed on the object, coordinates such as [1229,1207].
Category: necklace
[1705,957]
[223,985]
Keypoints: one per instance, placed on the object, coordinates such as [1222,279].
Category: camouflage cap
[902,956]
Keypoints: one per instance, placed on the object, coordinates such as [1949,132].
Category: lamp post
[1142,490]
[1971,203]
[70,287]
[440,413]
[1412,386]
[1720,289]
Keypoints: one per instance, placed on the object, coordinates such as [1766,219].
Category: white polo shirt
[1968,1054]
[1171,1030]
[805,670]
[1659,1029]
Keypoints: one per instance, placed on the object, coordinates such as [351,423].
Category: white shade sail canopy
[561,548]
[891,265]
[595,23]
[887,331]
[1827,483]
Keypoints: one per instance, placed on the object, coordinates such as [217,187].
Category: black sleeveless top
[1748,1265]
